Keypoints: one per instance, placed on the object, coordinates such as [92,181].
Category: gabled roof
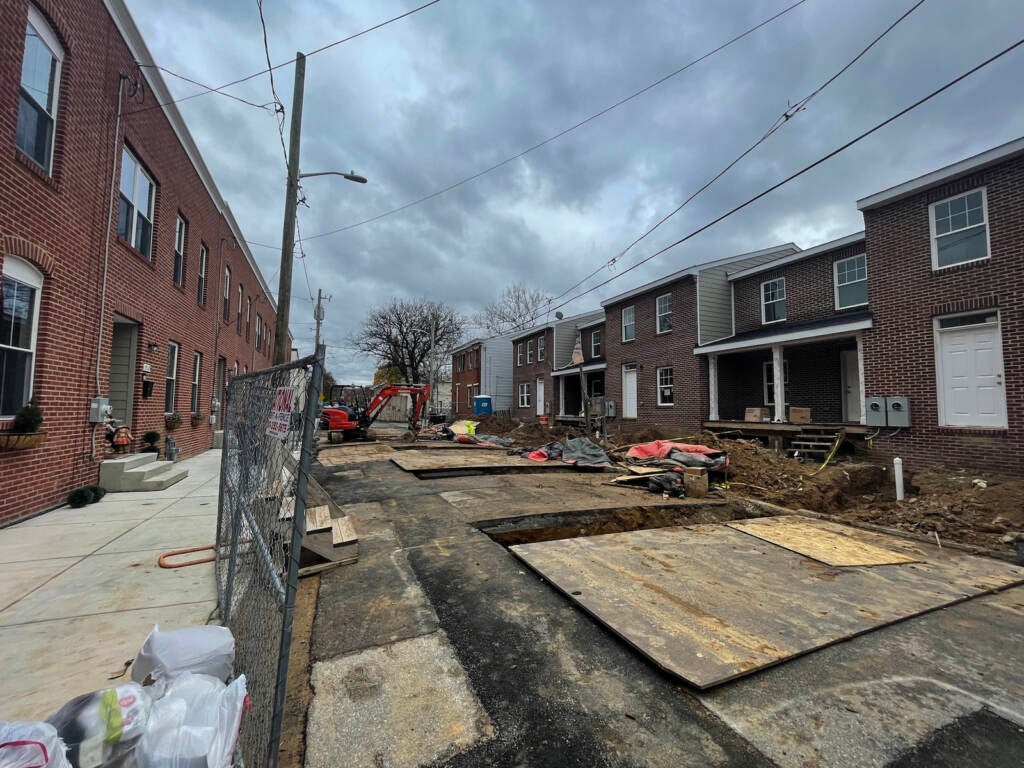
[480,340]
[994,156]
[831,245]
[693,270]
[572,318]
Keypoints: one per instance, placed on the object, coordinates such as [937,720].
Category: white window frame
[767,370]
[171,377]
[659,314]
[519,353]
[48,38]
[248,316]
[238,314]
[204,258]
[226,311]
[940,388]
[150,214]
[631,324]
[529,352]
[259,331]
[595,343]
[836,284]
[23,272]
[935,237]
[783,298]
[540,349]
[180,243]
[671,386]
[197,366]
[524,395]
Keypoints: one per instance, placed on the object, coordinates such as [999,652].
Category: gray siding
[496,371]
[565,337]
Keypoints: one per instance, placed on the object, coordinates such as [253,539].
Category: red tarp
[659,449]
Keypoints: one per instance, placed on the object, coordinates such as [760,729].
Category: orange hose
[162,560]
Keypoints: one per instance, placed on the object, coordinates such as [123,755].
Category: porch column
[860,376]
[778,383]
[713,387]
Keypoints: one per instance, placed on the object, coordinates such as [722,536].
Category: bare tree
[398,335]
[516,307]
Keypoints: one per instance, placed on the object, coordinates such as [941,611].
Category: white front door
[629,391]
[540,397]
[851,385]
[971,372]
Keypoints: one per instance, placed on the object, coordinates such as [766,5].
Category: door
[629,391]
[971,374]
[851,386]
[540,397]
[122,369]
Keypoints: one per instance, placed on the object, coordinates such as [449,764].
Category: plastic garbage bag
[101,728]
[194,725]
[31,745]
[206,650]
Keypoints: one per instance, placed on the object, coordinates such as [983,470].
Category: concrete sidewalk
[80,588]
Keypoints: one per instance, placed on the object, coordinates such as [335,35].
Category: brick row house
[125,274]
[482,367]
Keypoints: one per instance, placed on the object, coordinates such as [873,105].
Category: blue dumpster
[483,405]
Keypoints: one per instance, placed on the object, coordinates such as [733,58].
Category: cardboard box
[757,414]
[799,415]
[695,482]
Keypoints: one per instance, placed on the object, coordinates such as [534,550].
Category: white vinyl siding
[628,323]
[851,282]
[664,312]
[773,301]
[666,386]
[959,229]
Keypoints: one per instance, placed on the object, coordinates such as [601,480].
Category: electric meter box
[897,411]
[874,408]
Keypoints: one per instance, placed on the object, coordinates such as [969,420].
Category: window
[628,325]
[664,311]
[529,351]
[524,395]
[259,330]
[248,316]
[469,395]
[227,294]
[201,286]
[666,386]
[773,301]
[238,314]
[19,321]
[135,211]
[460,362]
[40,80]
[769,383]
[472,358]
[171,379]
[197,366]
[519,354]
[959,229]
[596,386]
[180,235]
[540,348]
[851,282]
[595,343]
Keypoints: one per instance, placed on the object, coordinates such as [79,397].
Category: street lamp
[351,175]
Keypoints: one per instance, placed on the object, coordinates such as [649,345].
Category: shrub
[151,438]
[98,491]
[29,419]
[80,497]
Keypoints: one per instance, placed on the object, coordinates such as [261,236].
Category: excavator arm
[419,393]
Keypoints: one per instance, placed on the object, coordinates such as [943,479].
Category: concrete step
[112,470]
[140,472]
[166,477]
[218,439]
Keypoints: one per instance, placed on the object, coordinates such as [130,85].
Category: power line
[278,105]
[790,178]
[563,132]
[264,107]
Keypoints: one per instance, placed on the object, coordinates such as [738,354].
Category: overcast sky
[464,84]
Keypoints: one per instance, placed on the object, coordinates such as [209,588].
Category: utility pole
[284,290]
[318,313]
[433,363]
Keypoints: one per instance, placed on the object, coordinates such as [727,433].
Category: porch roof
[596,365]
[815,330]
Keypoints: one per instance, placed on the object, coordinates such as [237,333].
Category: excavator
[358,407]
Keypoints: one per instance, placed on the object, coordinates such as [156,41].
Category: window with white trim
[171,377]
[238,314]
[773,300]
[519,353]
[197,366]
[469,396]
[540,349]
[180,237]
[248,316]
[959,228]
[529,351]
[259,330]
[201,284]
[666,386]
[628,324]
[472,358]
[851,282]
[595,344]
[769,380]
[524,395]
[227,294]
[664,313]
[37,97]
[19,325]
[135,207]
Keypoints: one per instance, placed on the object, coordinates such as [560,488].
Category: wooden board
[449,461]
[710,604]
[825,542]
[318,519]
[342,531]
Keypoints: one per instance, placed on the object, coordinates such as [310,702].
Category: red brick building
[482,367]
[125,275]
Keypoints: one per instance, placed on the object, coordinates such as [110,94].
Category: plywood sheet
[709,604]
[822,541]
[318,519]
[428,461]
[342,531]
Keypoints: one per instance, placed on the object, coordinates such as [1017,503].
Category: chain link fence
[269,425]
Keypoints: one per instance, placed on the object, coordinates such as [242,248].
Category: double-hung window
[595,344]
[227,294]
[773,300]
[768,380]
[851,282]
[524,395]
[540,349]
[19,321]
[664,311]
[135,210]
[259,330]
[201,285]
[628,324]
[171,377]
[180,238]
[529,351]
[666,386]
[519,353]
[248,316]
[959,228]
[238,314]
[197,366]
[37,98]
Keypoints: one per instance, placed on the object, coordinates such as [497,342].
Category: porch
[572,383]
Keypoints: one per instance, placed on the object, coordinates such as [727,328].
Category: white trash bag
[205,650]
[101,728]
[194,725]
[31,745]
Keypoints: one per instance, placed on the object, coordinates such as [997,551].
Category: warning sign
[281,412]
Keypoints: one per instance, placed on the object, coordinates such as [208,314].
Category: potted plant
[172,419]
[151,439]
[198,418]
[25,429]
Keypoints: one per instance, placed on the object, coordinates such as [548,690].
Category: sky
[462,85]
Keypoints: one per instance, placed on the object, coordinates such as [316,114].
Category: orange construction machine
[352,419]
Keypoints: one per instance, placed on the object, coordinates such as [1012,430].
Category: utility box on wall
[99,408]
[897,411]
[875,411]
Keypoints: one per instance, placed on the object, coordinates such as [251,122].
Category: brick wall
[463,379]
[907,295]
[528,373]
[58,222]
[650,351]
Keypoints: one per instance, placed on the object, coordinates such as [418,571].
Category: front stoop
[140,472]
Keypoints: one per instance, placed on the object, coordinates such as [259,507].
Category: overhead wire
[172,73]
